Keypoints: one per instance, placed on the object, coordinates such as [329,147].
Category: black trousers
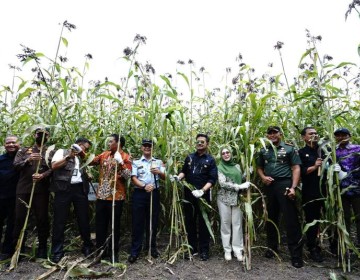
[104,220]
[7,214]
[198,233]
[277,202]
[40,207]
[352,202]
[141,219]
[62,202]
[312,210]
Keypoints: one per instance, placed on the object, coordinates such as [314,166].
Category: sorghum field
[170,109]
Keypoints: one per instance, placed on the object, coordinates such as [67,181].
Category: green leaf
[65,42]
[305,55]
[21,96]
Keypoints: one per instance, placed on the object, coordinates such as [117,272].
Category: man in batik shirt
[108,161]
[348,158]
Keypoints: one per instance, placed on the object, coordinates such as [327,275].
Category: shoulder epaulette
[289,143]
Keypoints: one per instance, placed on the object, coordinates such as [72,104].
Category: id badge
[75,172]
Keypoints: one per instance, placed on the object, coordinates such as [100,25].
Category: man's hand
[149,187]
[342,174]
[267,180]
[155,170]
[290,193]
[118,158]
[318,162]
[37,177]
[34,157]
[198,193]
[76,148]
[174,178]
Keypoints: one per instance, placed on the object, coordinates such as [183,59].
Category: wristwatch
[143,186]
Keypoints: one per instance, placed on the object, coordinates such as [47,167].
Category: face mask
[39,137]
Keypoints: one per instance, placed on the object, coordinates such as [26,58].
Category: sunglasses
[200,142]
[225,153]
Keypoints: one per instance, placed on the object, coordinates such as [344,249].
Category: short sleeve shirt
[141,169]
[76,177]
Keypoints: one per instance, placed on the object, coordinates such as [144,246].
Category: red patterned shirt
[107,175]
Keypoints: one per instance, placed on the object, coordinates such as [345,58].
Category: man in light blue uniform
[145,176]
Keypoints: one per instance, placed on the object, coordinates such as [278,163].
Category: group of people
[280,167]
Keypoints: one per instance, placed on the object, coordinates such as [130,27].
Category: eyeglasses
[225,153]
[200,142]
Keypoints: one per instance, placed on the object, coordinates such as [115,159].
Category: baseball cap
[342,130]
[42,129]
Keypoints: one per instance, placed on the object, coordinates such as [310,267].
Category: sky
[211,33]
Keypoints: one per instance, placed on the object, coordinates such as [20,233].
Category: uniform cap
[147,141]
[273,128]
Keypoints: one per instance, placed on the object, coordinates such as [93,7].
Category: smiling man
[8,181]
[278,166]
[200,171]
[145,176]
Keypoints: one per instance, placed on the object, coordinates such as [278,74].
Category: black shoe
[155,254]
[204,256]
[297,262]
[56,258]
[315,255]
[41,253]
[269,254]
[132,259]
[86,251]
[5,257]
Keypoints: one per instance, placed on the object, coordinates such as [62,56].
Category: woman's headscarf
[229,169]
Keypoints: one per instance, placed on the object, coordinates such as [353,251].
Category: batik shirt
[349,159]
[107,175]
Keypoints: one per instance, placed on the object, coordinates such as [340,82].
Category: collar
[347,146]
[144,159]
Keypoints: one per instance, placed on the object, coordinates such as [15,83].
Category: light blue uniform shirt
[141,169]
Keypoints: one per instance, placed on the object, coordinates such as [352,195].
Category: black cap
[342,130]
[273,128]
[147,141]
[42,129]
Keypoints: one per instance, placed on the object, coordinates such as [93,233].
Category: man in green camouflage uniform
[279,169]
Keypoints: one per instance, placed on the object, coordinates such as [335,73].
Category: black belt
[281,178]
[138,189]
[76,184]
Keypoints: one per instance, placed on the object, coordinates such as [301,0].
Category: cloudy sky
[212,33]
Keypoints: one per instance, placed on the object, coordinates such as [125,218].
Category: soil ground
[215,268]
